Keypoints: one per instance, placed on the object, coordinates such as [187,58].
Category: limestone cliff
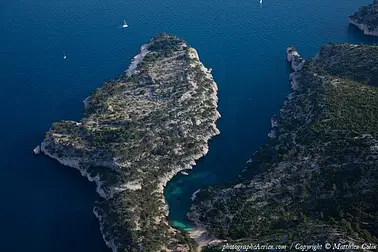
[366,19]
[137,132]
[316,181]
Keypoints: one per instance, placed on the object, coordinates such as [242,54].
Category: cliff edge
[366,19]
[137,132]
[316,180]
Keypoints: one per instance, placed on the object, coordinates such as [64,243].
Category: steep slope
[138,131]
[316,180]
[366,19]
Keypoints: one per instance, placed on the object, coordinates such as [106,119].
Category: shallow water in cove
[47,207]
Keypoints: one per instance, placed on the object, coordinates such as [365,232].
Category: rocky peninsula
[137,132]
[366,19]
[316,180]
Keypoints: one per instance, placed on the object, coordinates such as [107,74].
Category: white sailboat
[64,57]
[124,24]
[261,1]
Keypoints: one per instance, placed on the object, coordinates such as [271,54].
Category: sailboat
[64,57]
[124,24]
[261,1]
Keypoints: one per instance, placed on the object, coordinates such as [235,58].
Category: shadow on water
[48,207]
[355,34]
[216,168]
[208,171]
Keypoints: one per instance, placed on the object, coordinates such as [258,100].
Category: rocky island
[316,180]
[366,19]
[137,132]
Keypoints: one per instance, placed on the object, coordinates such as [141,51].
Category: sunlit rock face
[366,19]
[137,132]
[315,180]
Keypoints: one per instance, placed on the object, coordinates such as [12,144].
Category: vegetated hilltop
[138,131]
[366,19]
[316,180]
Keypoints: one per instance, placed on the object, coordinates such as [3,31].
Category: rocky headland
[316,180]
[137,132]
[366,19]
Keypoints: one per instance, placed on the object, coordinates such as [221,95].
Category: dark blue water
[46,207]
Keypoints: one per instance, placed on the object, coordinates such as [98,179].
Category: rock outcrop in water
[316,181]
[366,19]
[137,132]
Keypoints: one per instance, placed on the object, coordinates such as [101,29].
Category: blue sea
[46,207]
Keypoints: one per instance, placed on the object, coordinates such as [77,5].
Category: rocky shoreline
[364,28]
[74,144]
[137,59]
[366,19]
[300,185]
[200,234]
[296,63]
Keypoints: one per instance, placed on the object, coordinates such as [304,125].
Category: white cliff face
[37,150]
[290,53]
[86,102]
[200,234]
[296,62]
[75,163]
[109,241]
[196,111]
[203,239]
[194,195]
[137,59]
[364,28]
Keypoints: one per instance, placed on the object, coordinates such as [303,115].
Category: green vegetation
[317,180]
[138,130]
[367,15]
